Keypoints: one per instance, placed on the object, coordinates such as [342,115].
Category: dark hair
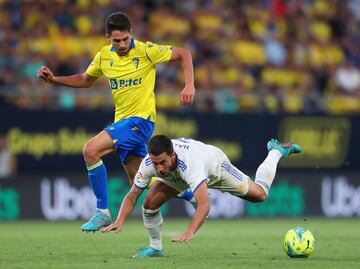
[159,144]
[117,21]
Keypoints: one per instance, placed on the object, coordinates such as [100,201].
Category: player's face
[121,41]
[163,163]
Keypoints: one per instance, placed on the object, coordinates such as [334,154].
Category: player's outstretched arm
[202,199]
[82,80]
[126,208]
[185,58]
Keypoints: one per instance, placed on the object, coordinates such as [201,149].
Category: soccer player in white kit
[185,163]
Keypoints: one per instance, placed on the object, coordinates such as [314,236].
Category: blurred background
[263,69]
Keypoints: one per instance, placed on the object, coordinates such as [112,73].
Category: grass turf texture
[242,243]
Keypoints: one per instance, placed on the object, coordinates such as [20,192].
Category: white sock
[153,223]
[265,173]
[104,211]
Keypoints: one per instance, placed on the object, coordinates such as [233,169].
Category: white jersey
[196,162]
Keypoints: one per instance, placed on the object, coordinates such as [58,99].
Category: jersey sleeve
[195,175]
[94,69]
[158,53]
[144,174]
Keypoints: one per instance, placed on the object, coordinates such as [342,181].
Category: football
[299,242]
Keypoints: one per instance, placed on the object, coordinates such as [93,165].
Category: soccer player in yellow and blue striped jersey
[130,67]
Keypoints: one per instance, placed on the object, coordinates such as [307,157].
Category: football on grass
[299,242]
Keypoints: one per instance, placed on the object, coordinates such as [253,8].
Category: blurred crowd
[273,56]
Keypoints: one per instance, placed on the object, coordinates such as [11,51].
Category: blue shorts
[130,136]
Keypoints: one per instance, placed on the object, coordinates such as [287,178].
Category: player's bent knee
[90,155]
[151,204]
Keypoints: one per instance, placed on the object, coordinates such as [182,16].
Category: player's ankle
[104,211]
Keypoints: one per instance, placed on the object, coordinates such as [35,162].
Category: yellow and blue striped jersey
[131,77]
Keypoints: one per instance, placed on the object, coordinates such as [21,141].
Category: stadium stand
[250,56]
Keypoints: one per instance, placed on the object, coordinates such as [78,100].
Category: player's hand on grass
[187,95]
[184,238]
[112,227]
[45,74]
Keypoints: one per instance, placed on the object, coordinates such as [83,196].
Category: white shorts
[232,180]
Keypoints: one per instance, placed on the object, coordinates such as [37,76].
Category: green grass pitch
[241,243]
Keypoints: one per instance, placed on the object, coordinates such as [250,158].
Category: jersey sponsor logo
[175,179]
[111,63]
[115,84]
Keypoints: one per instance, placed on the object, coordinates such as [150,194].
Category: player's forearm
[199,217]
[76,81]
[126,208]
[187,66]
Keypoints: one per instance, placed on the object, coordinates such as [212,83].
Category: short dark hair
[159,144]
[117,21]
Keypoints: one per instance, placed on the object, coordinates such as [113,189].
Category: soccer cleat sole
[86,231]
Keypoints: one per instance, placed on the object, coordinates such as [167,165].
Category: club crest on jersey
[136,62]
[111,63]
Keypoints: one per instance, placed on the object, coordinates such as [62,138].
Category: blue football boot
[148,252]
[97,221]
[285,148]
